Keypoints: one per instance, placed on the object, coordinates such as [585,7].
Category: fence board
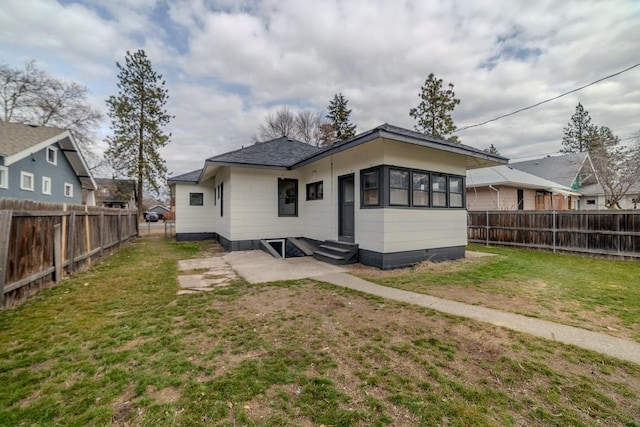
[609,233]
[38,241]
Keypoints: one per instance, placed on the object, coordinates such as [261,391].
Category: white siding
[194,219]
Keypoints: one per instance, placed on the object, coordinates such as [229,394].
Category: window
[455,192]
[52,155]
[287,197]
[26,181]
[439,188]
[196,199]
[371,187]
[398,187]
[4,177]
[591,202]
[420,188]
[221,197]
[68,190]
[315,191]
[46,185]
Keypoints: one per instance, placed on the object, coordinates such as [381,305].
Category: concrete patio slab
[201,263]
[260,267]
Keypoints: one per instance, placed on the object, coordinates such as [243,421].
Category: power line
[548,100]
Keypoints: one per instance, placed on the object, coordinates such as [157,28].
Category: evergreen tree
[137,116]
[433,113]
[578,132]
[339,117]
[492,150]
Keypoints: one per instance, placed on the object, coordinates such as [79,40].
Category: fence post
[119,228]
[101,233]
[57,252]
[5,232]
[487,229]
[554,231]
[71,230]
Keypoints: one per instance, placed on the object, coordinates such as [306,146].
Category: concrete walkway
[259,267]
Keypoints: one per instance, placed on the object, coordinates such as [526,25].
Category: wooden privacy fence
[610,233]
[40,243]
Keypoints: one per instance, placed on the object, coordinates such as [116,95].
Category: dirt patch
[164,395]
[122,406]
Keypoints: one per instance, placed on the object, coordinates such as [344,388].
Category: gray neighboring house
[43,164]
[576,171]
[390,195]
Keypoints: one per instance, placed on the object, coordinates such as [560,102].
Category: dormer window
[52,155]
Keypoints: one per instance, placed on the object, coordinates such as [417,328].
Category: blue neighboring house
[43,164]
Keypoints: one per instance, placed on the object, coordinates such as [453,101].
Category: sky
[228,63]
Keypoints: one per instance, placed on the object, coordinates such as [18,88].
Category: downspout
[491,187]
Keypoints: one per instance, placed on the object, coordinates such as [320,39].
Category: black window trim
[384,188]
[363,172]
[317,185]
[295,181]
[192,194]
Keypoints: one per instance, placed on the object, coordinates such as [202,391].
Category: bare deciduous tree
[616,166]
[305,126]
[30,95]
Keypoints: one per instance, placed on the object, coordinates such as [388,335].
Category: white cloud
[227,63]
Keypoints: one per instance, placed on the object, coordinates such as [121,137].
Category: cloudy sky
[228,63]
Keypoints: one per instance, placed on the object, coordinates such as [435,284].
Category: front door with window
[346,208]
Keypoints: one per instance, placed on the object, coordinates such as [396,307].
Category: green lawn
[116,346]
[593,293]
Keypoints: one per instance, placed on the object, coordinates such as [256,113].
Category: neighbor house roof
[506,175]
[18,141]
[561,169]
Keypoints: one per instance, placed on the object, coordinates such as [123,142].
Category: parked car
[151,217]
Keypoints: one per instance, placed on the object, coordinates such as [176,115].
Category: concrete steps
[337,253]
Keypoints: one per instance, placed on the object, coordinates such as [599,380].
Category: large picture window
[287,197]
[393,186]
[398,187]
[371,187]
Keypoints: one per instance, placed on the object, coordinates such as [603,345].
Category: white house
[395,195]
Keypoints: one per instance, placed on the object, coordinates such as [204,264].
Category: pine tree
[492,150]
[433,113]
[339,117]
[578,132]
[137,116]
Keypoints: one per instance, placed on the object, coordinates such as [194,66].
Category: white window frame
[53,150]
[46,185]
[69,187]
[4,177]
[24,175]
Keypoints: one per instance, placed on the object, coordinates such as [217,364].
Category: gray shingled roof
[192,176]
[17,137]
[561,169]
[281,152]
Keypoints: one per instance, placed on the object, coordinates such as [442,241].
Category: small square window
[4,177]
[26,181]
[68,190]
[196,199]
[52,155]
[46,185]
[591,202]
[315,191]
